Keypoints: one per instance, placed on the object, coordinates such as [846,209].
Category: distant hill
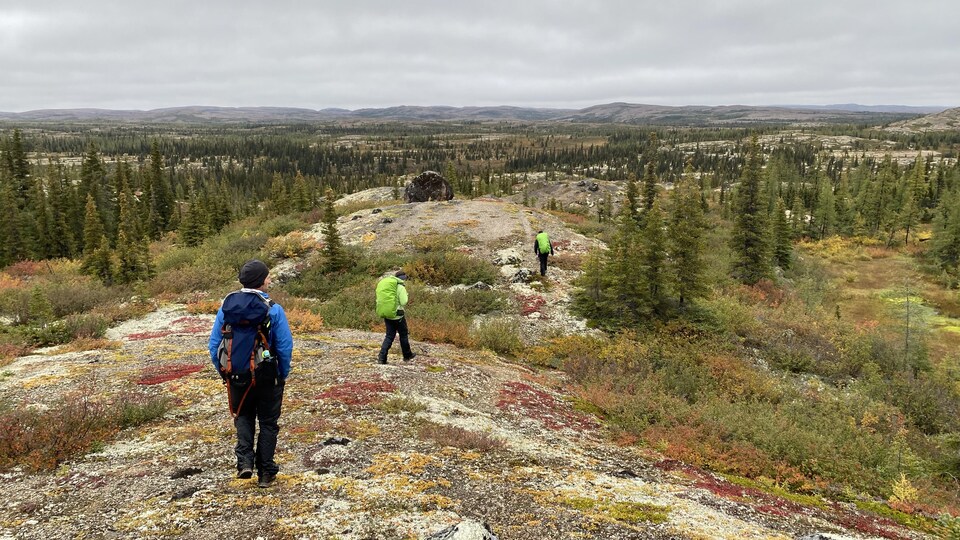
[856,107]
[947,120]
[608,113]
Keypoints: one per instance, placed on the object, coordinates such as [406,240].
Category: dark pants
[543,263]
[263,403]
[394,327]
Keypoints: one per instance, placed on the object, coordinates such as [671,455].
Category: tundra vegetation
[777,304]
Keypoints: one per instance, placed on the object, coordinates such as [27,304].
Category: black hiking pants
[394,327]
[543,263]
[262,404]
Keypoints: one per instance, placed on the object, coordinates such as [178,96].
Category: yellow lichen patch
[360,430]
[343,487]
[469,223]
[257,501]
[42,380]
[405,463]
[368,237]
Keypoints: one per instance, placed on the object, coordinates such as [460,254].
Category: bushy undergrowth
[715,389]
[450,268]
[39,441]
[500,336]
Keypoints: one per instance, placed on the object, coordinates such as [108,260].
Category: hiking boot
[381,360]
[245,473]
[409,358]
[266,480]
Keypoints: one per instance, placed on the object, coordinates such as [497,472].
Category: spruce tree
[193,227]
[92,226]
[945,242]
[301,198]
[100,262]
[279,199]
[333,245]
[649,187]
[914,190]
[749,241]
[825,214]
[652,249]
[783,237]
[843,206]
[686,234]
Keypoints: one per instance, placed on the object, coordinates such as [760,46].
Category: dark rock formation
[429,186]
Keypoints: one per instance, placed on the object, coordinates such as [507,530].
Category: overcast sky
[570,54]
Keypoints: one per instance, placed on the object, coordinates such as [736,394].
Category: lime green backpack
[387,301]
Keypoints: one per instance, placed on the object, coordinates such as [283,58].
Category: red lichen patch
[531,304]
[358,393]
[530,402]
[149,335]
[192,325]
[867,524]
[560,245]
[161,374]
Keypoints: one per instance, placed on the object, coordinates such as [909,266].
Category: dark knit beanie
[401,275]
[253,274]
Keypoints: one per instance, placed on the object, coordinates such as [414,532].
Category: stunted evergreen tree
[279,200]
[159,196]
[133,262]
[100,262]
[824,217]
[93,234]
[652,247]
[332,244]
[914,191]
[301,195]
[649,187]
[92,226]
[843,206]
[93,183]
[946,233]
[686,235]
[193,227]
[749,241]
[782,237]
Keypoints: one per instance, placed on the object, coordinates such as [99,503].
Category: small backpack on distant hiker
[246,341]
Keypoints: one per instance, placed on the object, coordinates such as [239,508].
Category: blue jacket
[281,339]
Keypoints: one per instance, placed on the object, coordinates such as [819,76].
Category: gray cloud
[571,53]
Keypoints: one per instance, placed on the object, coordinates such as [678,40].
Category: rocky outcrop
[465,530]
[429,186]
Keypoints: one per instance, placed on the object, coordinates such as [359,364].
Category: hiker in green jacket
[542,247]
[391,301]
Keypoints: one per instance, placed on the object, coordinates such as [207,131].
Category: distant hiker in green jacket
[391,302]
[542,247]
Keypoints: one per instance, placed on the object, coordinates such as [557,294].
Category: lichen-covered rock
[465,530]
[429,186]
[507,256]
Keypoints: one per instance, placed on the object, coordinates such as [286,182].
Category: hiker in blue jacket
[251,346]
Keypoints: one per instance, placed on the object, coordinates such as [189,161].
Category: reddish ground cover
[161,374]
[358,393]
[533,403]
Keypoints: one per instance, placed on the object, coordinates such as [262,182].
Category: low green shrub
[176,257]
[500,336]
[354,307]
[450,268]
[187,279]
[39,441]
